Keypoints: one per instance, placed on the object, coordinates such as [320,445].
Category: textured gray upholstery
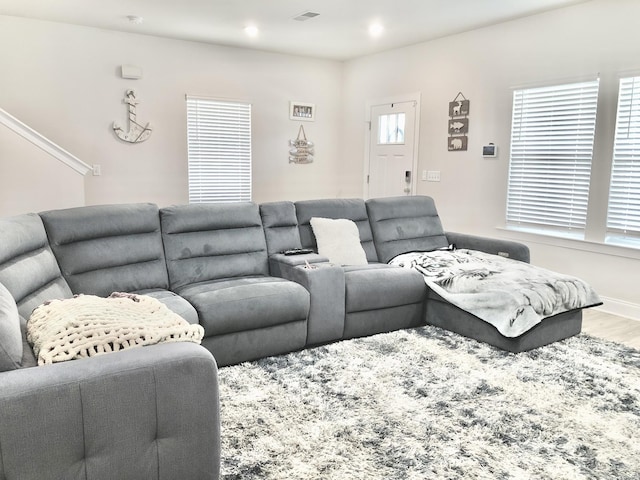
[377,292]
[253,344]
[370,322]
[377,285]
[552,329]
[145,413]
[246,303]
[351,209]
[108,248]
[325,283]
[505,248]
[405,224]
[217,260]
[280,226]
[27,266]
[213,241]
[174,302]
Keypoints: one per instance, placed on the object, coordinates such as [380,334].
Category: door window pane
[391,129]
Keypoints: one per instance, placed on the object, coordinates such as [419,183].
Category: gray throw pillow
[10,335]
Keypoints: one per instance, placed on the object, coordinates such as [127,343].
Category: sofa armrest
[326,285]
[279,262]
[149,412]
[504,248]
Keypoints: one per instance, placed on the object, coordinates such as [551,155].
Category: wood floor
[611,327]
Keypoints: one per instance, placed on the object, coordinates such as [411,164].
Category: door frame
[409,97]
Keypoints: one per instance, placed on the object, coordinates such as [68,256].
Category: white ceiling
[340,32]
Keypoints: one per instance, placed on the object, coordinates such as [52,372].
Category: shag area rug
[430,404]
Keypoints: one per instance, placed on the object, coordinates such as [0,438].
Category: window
[219,150]
[391,129]
[623,215]
[552,137]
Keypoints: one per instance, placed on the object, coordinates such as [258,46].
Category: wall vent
[305,16]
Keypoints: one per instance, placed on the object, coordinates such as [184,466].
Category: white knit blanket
[86,326]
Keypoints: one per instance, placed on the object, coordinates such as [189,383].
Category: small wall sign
[458,125]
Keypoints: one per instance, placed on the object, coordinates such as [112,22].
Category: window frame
[219,171]
[623,223]
[540,148]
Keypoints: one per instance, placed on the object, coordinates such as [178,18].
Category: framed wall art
[458,125]
[302,111]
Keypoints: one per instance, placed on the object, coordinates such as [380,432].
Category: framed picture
[302,111]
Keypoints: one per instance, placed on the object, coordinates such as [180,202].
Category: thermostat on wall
[489,151]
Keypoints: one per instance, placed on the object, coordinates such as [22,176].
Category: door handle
[407,176]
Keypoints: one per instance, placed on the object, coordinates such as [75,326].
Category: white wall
[64,81]
[26,170]
[598,37]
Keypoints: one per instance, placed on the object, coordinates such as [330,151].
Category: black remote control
[297,251]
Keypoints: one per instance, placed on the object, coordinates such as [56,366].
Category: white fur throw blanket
[512,296]
[86,326]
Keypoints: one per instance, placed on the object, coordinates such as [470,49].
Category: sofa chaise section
[404,224]
[217,259]
[113,248]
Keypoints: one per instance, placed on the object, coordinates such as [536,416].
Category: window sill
[544,238]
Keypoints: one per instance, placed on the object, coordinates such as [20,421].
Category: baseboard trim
[620,308]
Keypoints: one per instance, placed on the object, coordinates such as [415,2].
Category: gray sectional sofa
[153,412]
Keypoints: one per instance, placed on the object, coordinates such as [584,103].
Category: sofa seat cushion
[376,286]
[246,303]
[174,302]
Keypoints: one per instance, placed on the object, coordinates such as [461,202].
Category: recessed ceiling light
[376,29]
[251,30]
[135,19]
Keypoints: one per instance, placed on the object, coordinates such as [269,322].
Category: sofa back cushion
[280,226]
[28,268]
[405,224]
[352,209]
[212,241]
[107,248]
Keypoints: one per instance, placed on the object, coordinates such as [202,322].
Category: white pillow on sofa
[338,240]
[10,334]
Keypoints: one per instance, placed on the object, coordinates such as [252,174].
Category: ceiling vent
[303,17]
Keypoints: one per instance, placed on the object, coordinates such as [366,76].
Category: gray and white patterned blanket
[512,296]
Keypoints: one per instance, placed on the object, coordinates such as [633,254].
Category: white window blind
[552,137]
[623,216]
[219,150]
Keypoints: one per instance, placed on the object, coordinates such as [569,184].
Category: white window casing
[623,213]
[552,139]
[219,150]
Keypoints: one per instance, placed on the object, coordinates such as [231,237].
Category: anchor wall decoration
[137,132]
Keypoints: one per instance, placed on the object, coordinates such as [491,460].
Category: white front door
[392,156]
